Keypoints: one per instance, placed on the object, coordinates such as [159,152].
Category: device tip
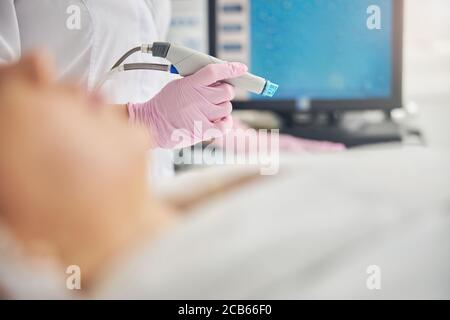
[173,70]
[270,89]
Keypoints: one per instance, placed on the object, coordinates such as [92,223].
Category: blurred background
[338,72]
[427,65]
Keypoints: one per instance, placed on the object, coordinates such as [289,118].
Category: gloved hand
[197,99]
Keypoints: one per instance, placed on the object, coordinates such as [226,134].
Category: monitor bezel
[395,101]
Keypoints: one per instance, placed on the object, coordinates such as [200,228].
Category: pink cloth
[184,104]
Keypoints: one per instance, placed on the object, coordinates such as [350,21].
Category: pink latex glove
[287,143]
[200,98]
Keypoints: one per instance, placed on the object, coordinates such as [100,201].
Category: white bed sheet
[310,232]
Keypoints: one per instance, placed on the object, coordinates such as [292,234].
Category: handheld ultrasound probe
[186,62]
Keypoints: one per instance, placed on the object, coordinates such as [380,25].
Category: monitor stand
[353,133]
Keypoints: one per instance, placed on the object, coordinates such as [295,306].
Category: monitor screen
[314,49]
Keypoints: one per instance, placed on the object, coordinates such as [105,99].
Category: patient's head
[66,165]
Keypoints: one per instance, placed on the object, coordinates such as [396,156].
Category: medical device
[186,62]
[327,56]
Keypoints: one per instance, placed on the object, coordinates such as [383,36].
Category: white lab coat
[86,37]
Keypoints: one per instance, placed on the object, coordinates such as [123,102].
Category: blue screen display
[323,49]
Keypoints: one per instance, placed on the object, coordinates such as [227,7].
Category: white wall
[427,67]
[427,49]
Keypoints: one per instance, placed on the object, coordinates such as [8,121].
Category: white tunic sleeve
[9,32]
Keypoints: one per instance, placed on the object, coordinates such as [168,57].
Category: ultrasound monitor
[324,54]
